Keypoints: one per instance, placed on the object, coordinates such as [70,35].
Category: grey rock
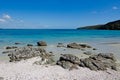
[99,62]
[65,64]
[88,53]
[74,46]
[17,43]
[78,46]
[60,45]
[108,56]
[12,47]
[70,58]
[1,78]
[85,46]
[68,61]
[41,43]
[26,53]
[5,52]
[29,45]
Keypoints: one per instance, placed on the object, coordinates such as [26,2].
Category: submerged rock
[74,46]
[12,47]
[29,45]
[60,45]
[17,43]
[88,53]
[41,43]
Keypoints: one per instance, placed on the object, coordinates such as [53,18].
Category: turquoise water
[53,36]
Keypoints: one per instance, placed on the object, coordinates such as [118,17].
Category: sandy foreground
[26,70]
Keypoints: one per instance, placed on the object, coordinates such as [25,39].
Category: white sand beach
[25,70]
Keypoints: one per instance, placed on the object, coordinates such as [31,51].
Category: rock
[74,46]
[71,58]
[60,45]
[78,46]
[108,56]
[65,64]
[13,47]
[41,43]
[68,61]
[99,62]
[5,52]
[85,46]
[45,61]
[1,78]
[29,45]
[26,53]
[94,49]
[88,53]
[17,43]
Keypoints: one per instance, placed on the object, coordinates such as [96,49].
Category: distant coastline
[115,25]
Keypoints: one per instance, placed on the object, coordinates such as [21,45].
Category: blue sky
[57,13]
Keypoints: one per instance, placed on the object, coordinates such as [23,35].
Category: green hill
[115,25]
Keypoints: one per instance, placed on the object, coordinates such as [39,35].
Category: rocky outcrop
[41,43]
[95,62]
[99,62]
[29,52]
[78,46]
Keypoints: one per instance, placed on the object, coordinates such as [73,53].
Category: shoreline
[25,69]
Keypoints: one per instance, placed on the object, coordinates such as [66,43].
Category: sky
[57,14]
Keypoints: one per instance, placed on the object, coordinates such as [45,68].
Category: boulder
[41,43]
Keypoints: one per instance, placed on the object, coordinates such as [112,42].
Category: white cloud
[6,16]
[114,7]
[2,20]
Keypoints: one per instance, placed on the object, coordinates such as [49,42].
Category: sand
[26,70]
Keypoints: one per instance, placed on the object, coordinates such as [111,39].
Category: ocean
[53,36]
[96,38]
